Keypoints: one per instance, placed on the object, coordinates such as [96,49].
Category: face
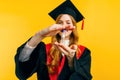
[65,20]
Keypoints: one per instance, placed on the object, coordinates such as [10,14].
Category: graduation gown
[38,59]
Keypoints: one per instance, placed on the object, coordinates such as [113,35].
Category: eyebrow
[65,20]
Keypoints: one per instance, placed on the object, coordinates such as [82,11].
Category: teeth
[63,35]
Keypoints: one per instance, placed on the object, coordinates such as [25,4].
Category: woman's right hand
[50,31]
[53,30]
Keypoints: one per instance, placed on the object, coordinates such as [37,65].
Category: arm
[26,52]
[82,66]
[29,65]
[36,39]
[27,68]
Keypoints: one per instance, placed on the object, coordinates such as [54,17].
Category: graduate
[63,58]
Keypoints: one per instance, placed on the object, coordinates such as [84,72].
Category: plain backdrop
[21,19]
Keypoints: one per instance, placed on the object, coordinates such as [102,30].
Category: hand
[68,51]
[54,29]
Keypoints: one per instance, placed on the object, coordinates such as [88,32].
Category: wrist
[39,35]
[35,40]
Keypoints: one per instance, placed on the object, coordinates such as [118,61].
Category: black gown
[37,63]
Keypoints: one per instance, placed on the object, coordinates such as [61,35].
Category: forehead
[65,17]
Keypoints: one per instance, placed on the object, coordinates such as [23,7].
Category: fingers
[54,29]
[70,27]
[73,47]
[60,27]
[61,48]
[68,51]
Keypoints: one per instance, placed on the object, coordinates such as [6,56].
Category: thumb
[74,47]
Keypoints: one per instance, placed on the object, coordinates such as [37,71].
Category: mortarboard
[67,7]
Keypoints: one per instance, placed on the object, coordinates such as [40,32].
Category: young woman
[62,59]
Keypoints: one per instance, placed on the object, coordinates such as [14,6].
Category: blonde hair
[54,53]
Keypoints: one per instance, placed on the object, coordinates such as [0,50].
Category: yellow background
[20,19]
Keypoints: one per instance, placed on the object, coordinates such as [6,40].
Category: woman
[62,59]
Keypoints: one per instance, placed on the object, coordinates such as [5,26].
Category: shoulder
[83,51]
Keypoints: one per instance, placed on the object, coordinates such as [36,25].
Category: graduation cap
[67,7]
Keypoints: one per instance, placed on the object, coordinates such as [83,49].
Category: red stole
[59,69]
[61,64]
[82,48]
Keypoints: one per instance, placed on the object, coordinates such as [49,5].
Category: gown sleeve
[37,59]
[82,66]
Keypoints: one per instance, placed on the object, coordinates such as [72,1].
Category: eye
[68,22]
[59,22]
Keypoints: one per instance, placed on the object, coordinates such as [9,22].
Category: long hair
[54,53]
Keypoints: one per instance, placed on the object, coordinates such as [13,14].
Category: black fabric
[66,72]
[37,64]
[82,66]
[67,7]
